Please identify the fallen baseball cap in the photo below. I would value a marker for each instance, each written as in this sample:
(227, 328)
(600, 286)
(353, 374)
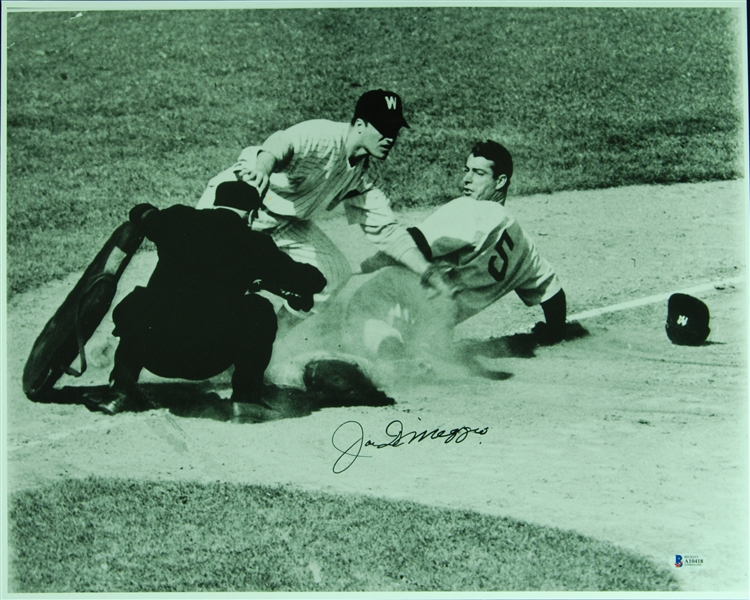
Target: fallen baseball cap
(687, 320)
(383, 109)
(237, 194)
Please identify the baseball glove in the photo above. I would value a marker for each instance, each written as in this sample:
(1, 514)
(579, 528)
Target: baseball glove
(544, 335)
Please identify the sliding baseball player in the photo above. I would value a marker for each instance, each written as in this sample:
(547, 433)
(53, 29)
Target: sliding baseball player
(477, 251)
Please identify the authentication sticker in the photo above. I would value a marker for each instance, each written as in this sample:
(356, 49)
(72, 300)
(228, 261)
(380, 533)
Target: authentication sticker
(687, 560)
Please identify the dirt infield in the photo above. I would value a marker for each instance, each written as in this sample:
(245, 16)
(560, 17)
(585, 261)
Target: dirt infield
(619, 435)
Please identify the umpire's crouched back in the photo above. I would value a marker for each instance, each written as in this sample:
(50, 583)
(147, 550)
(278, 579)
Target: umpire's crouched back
(197, 315)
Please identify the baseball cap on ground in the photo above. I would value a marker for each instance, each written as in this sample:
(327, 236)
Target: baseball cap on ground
(237, 194)
(383, 109)
(687, 320)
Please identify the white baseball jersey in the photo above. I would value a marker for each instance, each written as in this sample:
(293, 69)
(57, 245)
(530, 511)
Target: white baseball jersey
(315, 175)
(487, 255)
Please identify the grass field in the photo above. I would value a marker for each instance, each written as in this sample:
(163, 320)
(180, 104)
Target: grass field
(84, 536)
(109, 109)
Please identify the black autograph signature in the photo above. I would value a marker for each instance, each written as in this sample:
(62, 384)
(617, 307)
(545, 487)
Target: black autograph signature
(349, 437)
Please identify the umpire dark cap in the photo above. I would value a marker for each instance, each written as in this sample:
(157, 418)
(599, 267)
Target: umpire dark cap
(383, 109)
(687, 320)
(238, 194)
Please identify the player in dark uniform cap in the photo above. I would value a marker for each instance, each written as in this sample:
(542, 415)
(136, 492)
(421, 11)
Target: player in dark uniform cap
(198, 314)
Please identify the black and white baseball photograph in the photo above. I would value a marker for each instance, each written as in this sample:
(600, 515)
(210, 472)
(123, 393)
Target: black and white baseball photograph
(375, 299)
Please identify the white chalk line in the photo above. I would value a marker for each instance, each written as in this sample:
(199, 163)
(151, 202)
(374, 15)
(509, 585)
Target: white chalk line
(587, 314)
(696, 289)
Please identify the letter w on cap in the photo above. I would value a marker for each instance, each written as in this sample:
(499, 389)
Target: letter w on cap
(391, 102)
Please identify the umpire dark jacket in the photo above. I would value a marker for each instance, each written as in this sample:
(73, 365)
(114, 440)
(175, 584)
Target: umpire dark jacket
(208, 261)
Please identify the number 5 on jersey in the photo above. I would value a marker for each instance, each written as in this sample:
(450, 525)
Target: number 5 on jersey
(507, 241)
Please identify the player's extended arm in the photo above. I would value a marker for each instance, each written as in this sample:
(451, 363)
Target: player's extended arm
(415, 261)
(420, 261)
(555, 315)
(555, 311)
(372, 211)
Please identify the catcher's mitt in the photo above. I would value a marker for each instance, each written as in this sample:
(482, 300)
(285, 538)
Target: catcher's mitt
(66, 333)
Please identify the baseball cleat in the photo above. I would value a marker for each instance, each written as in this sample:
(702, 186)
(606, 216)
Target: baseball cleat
(121, 397)
(117, 401)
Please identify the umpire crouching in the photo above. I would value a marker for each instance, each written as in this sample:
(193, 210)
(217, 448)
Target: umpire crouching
(197, 316)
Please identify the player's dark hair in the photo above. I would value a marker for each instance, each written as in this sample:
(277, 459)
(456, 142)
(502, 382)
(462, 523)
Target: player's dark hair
(502, 162)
